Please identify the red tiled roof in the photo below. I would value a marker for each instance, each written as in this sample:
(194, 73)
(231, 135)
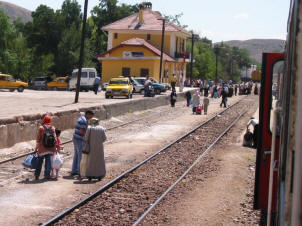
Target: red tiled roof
(140, 42)
(151, 22)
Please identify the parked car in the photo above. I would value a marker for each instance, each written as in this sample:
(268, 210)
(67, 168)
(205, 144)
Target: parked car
(137, 87)
(120, 86)
(167, 85)
(88, 76)
(158, 88)
(57, 84)
(40, 82)
(8, 82)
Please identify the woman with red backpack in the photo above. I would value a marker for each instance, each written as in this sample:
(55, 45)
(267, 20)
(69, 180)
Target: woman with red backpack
(45, 146)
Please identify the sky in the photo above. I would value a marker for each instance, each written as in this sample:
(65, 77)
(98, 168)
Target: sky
(218, 20)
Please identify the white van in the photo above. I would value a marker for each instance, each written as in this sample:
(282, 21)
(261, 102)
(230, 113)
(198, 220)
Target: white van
(87, 79)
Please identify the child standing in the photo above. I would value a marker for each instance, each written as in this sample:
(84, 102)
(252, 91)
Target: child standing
(58, 148)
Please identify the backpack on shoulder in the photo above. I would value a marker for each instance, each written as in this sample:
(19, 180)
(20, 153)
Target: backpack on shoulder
(49, 140)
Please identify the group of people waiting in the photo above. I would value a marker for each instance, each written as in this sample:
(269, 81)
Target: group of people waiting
(48, 144)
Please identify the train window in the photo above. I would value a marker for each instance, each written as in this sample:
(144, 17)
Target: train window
(275, 93)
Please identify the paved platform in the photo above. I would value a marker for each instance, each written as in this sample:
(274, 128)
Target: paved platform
(35, 102)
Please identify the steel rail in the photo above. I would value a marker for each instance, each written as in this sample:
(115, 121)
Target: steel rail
(124, 174)
(69, 141)
(186, 172)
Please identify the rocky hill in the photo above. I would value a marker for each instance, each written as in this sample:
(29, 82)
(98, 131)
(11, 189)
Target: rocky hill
(14, 11)
(257, 46)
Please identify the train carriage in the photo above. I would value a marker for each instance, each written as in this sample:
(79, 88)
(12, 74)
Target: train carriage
(278, 180)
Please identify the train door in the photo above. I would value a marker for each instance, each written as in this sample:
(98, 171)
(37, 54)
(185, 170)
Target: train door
(272, 69)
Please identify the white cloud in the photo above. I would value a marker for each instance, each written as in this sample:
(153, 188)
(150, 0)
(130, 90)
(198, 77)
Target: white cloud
(241, 16)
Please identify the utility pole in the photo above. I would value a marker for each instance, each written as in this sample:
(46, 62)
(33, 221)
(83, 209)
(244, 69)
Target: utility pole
(81, 53)
(162, 48)
(216, 54)
(191, 66)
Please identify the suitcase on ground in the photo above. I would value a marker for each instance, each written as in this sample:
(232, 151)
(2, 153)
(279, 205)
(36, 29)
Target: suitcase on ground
(199, 109)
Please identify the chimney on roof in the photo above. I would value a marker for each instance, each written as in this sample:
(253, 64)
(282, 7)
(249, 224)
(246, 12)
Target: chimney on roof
(142, 6)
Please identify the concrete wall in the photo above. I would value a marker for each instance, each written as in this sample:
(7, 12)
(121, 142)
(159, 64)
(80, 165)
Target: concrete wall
(24, 128)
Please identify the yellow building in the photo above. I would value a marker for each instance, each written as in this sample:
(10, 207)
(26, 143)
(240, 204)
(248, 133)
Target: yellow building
(134, 47)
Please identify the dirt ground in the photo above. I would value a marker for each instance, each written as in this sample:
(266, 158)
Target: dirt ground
(27, 202)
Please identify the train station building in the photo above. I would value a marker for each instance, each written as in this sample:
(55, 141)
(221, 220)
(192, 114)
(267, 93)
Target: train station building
(134, 44)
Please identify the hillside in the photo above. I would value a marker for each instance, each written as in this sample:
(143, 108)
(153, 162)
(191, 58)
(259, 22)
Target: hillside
(257, 46)
(14, 11)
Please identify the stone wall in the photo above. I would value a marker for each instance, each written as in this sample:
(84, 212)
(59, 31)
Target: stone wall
(24, 128)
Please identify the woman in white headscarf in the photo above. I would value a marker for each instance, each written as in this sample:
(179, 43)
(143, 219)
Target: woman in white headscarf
(95, 136)
(195, 101)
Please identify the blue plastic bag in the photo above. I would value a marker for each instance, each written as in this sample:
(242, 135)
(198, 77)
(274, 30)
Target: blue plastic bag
(31, 161)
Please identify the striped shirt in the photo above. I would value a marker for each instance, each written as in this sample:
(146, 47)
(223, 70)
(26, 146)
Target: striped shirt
(81, 124)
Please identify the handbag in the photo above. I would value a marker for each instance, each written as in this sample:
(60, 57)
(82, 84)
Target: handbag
(31, 161)
(35, 162)
(86, 145)
(27, 161)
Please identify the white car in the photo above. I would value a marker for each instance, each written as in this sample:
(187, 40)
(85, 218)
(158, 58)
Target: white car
(88, 76)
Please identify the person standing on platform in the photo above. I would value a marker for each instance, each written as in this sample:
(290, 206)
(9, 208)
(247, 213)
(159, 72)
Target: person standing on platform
(256, 89)
(188, 97)
(173, 97)
(223, 98)
(206, 90)
(206, 103)
(173, 82)
(95, 165)
(96, 85)
(45, 146)
(78, 140)
(195, 101)
(147, 85)
(236, 89)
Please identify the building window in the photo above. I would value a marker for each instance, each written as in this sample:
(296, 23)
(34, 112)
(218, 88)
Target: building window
(144, 72)
(115, 35)
(148, 37)
(125, 71)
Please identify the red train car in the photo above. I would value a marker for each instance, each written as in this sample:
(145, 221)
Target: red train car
(278, 181)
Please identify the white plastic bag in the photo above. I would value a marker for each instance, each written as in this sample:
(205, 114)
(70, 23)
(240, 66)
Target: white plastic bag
(57, 161)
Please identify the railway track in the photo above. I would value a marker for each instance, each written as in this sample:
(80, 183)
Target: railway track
(128, 198)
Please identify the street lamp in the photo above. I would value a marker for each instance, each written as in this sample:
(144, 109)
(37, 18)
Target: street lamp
(162, 47)
(192, 53)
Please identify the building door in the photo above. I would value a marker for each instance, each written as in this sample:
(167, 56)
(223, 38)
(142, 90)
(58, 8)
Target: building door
(126, 71)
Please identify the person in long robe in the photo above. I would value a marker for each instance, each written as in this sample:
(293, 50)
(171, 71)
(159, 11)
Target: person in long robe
(95, 165)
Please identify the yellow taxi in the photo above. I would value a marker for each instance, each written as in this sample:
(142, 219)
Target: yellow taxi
(120, 86)
(58, 83)
(8, 82)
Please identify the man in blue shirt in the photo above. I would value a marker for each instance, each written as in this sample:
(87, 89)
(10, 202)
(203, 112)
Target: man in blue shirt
(96, 85)
(78, 140)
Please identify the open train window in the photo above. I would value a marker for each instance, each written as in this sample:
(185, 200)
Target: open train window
(277, 75)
